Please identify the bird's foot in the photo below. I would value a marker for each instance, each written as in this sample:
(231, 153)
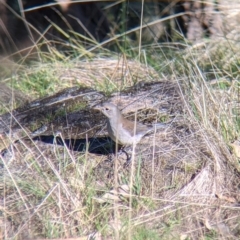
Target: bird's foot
(128, 160)
(112, 156)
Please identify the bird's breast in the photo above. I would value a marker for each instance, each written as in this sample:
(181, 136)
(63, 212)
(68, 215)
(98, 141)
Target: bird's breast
(121, 135)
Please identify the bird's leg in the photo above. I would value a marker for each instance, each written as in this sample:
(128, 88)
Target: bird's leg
(111, 156)
(129, 157)
(128, 161)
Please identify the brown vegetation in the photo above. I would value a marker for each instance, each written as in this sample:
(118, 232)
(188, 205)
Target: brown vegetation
(183, 175)
(183, 181)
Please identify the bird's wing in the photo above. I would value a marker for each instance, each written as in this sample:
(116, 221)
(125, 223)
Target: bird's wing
(130, 126)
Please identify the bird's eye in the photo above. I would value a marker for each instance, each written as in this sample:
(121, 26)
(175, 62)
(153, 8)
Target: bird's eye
(106, 109)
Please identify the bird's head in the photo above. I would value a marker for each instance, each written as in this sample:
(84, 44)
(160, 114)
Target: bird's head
(109, 110)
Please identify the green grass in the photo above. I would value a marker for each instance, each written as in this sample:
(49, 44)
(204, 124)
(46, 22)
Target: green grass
(145, 233)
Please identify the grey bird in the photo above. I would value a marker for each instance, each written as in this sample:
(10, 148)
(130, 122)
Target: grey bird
(121, 130)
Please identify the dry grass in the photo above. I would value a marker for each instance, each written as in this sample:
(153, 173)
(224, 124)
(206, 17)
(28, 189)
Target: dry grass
(184, 180)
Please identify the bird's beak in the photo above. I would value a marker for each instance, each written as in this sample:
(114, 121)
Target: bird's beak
(98, 107)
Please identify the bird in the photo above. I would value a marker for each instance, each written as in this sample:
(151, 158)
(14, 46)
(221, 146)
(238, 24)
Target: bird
(121, 130)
